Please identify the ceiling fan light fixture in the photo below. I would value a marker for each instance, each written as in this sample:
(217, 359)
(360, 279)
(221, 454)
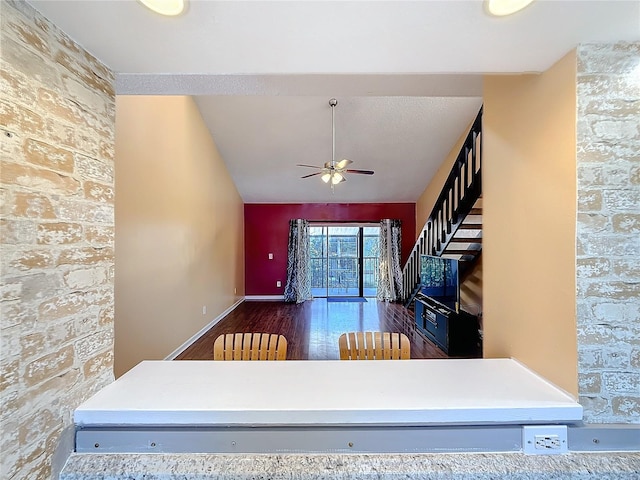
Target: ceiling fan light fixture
(326, 177)
(336, 178)
(501, 8)
(169, 8)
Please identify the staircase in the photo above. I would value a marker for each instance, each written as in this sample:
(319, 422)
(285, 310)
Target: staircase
(466, 243)
(454, 227)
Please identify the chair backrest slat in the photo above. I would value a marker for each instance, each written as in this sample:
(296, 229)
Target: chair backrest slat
(405, 348)
(250, 346)
(374, 346)
(228, 346)
(237, 347)
(246, 346)
(255, 346)
(264, 346)
(369, 343)
(378, 347)
(271, 352)
(352, 342)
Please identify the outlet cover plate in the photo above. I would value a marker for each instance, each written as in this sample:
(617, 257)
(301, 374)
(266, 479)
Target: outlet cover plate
(544, 439)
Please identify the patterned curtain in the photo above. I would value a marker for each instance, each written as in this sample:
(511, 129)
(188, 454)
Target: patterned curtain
(298, 287)
(390, 274)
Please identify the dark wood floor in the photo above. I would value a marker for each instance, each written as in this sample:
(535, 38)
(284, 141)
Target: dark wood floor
(312, 328)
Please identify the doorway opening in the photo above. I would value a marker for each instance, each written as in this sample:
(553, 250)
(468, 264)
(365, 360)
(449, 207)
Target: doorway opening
(344, 259)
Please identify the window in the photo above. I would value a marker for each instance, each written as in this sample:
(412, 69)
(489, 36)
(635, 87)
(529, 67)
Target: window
(344, 260)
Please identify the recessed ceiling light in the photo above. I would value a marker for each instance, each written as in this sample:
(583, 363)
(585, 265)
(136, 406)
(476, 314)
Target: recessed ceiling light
(165, 7)
(500, 8)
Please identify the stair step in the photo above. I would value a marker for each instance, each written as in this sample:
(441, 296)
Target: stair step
(466, 240)
(476, 211)
(471, 226)
(460, 252)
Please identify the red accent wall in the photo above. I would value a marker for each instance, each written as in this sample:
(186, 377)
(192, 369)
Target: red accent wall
(266, 230)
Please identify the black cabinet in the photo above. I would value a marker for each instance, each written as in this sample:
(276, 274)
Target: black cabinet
(456, 333)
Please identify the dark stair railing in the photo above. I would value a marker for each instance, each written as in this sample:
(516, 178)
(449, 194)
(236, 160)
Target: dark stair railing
(459, 194)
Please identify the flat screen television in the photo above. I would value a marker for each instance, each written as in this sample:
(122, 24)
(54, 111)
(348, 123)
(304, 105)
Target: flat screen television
(439, 280)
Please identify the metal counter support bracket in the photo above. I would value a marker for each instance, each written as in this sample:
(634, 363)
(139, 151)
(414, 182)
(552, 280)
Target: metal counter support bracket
(406, 439)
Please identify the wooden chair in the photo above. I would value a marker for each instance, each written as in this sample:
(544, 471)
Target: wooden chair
(374, 346)
(250, 346)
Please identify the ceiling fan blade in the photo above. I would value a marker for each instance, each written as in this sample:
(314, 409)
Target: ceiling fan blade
(362, 172)
(311, 175)
(310, 166)
(343, 163)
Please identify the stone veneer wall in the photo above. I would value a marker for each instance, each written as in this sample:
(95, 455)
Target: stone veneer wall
(57, 121)
(608, 231)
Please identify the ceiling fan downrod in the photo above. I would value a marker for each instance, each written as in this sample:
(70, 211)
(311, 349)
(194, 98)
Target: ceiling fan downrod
(332, 103)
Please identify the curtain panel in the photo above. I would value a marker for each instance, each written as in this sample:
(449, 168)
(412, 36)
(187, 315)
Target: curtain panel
(298, 287)
(390, 283)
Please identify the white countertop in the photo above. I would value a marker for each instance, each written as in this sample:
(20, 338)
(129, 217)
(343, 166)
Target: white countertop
(330, 392)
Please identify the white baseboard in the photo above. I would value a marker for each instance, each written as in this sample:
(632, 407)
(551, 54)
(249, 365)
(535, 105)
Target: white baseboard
(264, 297)
(203, 330)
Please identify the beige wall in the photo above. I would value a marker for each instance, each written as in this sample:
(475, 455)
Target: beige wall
(529, 193)
(57, 112)
(179, 228)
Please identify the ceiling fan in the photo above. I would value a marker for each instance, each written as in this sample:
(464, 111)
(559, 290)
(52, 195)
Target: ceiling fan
(334, 172)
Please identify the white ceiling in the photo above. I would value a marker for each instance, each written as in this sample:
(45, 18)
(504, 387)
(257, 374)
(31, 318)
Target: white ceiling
(407, 76)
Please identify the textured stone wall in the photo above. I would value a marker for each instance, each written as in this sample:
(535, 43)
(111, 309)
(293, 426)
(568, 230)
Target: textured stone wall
(57, 126)
(608, 231)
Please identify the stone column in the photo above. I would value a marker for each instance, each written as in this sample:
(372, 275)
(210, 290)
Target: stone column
(57, 126)
(608, 231)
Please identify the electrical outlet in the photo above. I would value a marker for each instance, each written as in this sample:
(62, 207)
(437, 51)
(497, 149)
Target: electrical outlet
(271, 256)
(544, 439)
(204, 309)
(546, 442)
(278, 283)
